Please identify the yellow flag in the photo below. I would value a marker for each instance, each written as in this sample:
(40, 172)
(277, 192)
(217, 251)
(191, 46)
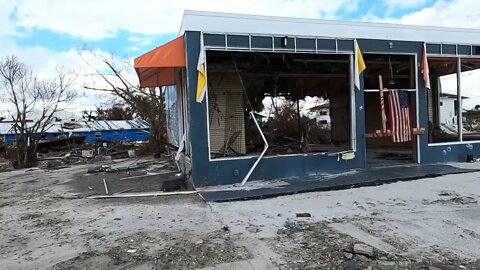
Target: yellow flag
(201, 77)
(359, 65)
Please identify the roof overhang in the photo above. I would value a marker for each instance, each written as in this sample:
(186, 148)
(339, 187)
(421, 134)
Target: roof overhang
(229, 23)
(157, 67)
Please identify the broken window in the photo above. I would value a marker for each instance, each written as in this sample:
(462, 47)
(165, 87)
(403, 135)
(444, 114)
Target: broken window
(454, 102)
(302, 103)
(469, 82)
(442, 100)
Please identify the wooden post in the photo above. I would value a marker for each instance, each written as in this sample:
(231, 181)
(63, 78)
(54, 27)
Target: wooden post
(382, 105)
(384, 132)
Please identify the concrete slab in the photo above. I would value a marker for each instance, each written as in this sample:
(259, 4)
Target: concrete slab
(367, 177)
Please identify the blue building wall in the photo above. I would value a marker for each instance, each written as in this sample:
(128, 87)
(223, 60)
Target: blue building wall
(9, 138)
(119, 135)
(215, 172)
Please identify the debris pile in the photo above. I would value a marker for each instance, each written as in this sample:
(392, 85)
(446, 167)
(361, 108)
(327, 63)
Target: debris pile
(130, 178)
(318, 246)
(145, 251)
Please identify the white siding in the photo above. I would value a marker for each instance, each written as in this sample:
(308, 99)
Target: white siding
(447, 111)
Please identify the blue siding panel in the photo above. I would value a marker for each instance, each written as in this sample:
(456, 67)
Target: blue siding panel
(106, 135)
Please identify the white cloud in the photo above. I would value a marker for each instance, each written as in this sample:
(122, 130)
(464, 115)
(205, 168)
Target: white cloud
(141, 41)
(91, 19)
(404, 3)
(395, 5)
(457, 13)
(6, 25)
(141, 19)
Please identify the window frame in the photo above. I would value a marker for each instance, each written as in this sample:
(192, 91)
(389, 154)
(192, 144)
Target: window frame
(353, 128)
(417, 151)
(458, 58)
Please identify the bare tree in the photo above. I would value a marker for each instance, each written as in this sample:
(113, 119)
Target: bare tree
(31, 97)
(113, 111)
(145, 103)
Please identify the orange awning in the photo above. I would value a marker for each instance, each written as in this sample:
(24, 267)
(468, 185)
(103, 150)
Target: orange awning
(157, 67)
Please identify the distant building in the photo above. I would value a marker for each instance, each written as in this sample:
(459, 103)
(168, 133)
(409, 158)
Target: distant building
(322, 114)
(448, 109)
(105, 130)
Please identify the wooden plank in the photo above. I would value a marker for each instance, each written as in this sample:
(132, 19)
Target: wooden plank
(379, 133)
(418, 131)
(143, 194)
(382, 104)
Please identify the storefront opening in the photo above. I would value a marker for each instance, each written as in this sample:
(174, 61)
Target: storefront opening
(301, 101)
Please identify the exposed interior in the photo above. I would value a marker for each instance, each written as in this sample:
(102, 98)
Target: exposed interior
(469, 89)
(442, 100)
(445, 109)
(397, 73)
(302, 102)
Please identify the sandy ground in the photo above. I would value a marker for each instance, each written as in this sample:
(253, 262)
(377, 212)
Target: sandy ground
(424, 224)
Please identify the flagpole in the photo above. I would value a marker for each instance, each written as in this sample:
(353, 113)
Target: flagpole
(382, 105)
(355, 66)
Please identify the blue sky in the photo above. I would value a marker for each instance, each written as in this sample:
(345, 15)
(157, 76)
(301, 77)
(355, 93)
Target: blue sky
(46, 34)
(132, 42)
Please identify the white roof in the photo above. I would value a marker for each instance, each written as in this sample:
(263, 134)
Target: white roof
(7, 127)
(215, 22)
(85, 126)
(100, 125)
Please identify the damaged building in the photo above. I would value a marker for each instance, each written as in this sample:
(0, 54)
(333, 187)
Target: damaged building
(89, 131)
(260, 98)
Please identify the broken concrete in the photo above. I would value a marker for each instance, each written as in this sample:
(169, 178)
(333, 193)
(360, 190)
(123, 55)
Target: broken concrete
(362, 249)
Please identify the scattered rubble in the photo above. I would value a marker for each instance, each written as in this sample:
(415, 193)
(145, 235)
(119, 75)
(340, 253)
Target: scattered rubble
(318, 246)
(144, 251)
(362, 249)
(48, 224)
(452, 198)
(303, 215)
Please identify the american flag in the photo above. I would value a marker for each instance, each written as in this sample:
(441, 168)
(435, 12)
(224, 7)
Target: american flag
(400, 116)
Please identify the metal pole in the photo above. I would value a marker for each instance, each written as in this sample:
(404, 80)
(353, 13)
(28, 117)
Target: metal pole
(300, 132)
(459, 101)
(265, 147)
